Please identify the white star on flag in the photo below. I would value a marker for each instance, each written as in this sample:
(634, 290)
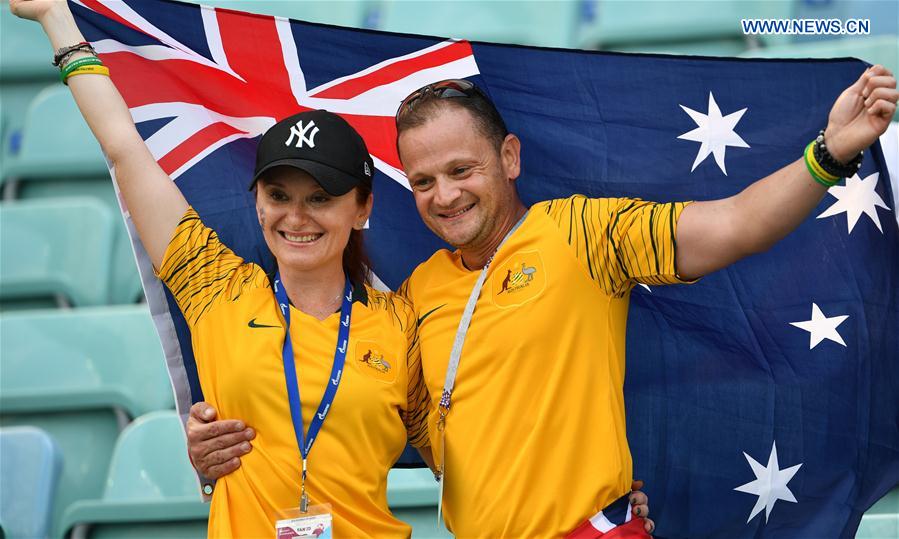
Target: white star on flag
(821, 327)
(714, 132)
(770, 483)
(855, 198)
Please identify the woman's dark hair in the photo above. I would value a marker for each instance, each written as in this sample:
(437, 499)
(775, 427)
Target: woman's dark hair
(356, 263)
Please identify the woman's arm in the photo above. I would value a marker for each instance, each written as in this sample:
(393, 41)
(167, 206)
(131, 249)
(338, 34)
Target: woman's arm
(155, 202)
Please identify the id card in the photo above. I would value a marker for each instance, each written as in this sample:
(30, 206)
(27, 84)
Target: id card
(313, 524)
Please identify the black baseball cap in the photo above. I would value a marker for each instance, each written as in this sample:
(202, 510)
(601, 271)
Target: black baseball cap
(320, 143)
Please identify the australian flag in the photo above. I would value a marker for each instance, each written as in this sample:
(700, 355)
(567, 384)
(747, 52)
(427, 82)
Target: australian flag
(761, 402)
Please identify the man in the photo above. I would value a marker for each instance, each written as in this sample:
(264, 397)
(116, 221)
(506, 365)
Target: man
(529, 429)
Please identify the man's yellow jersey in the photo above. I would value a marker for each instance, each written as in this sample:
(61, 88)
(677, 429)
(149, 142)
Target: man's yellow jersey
(238, 334)
(535, 438)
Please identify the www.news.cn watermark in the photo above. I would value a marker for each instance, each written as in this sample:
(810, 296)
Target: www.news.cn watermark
(806, 27)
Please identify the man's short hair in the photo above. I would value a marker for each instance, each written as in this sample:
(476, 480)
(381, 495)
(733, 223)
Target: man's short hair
(487, 118)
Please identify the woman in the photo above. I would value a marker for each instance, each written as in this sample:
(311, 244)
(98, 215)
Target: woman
(348, 362)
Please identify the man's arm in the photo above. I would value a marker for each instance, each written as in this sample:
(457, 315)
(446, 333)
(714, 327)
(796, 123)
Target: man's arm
(714, 234)
(215, 447)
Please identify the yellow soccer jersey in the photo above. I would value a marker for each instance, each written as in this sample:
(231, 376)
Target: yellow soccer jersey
(535, 439)
(237, 336)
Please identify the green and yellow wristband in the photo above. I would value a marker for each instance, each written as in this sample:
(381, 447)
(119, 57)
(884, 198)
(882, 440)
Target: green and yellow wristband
(816, 170)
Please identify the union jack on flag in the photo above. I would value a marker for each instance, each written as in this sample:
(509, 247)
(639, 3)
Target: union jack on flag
(762, 401)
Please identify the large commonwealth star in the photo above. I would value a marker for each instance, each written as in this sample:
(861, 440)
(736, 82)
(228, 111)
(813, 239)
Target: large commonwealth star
(715, 133)
(770, 483)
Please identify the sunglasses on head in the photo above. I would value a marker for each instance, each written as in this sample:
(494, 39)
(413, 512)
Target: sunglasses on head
(445, 89)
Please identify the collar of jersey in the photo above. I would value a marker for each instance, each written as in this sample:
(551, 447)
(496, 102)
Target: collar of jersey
(360, 294)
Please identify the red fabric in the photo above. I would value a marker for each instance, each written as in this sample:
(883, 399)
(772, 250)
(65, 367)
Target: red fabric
(631, 530)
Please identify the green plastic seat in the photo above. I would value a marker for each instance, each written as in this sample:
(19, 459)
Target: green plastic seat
(74, 359)
(14, 100)
(55, 248)
(884, 526)
(550, 23)
(80, 375)
(872, 49)
(25, 52)
(881, 521)
(151, 489)
(888, 505)
(344, 13)
(672, 26)
(56, 141)
(882, 50)
(412, 495)
(124, 280)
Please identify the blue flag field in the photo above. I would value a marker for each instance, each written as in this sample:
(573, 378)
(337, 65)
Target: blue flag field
(762, 401)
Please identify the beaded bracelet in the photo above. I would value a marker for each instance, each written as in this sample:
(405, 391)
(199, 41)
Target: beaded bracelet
(64, 53)
(831, 165)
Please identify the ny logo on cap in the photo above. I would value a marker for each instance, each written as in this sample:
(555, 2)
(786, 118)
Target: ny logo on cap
(303, 134)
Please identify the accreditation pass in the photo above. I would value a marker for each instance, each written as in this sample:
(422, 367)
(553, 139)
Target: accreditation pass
(315, 523)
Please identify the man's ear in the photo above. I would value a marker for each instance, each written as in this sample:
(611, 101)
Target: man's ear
(510, 154)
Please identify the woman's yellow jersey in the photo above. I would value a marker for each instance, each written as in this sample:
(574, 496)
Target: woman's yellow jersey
(237, 334)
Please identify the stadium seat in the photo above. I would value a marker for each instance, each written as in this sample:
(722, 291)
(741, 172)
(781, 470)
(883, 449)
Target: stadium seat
(55, 249)
(548, 24)
(55, 141)
(671, 26)
(872, 49)
(30, 465)
(14, 100)
(70, 359)
(25, 51)
(412, 495)
(350, 13)
(882, 49)
(81, 375)
(124, 282)
(151, 490)
(54, 161)
(881, 526)
(882, 520)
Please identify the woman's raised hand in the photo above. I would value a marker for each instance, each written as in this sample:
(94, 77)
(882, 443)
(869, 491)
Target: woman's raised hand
(36, 10)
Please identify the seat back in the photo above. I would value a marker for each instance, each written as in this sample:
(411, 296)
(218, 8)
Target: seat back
(345, 13)
(95, 357)
(56, 141)
(25, 52)
(30, 464)
(124, 279)
(56, 248)
(547, 23)
(673, 26)
(150, 462)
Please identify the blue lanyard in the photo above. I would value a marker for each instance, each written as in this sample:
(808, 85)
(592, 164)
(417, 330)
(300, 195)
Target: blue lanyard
(304, 442)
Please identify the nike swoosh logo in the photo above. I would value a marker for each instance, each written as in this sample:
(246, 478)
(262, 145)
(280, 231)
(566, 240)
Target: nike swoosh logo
(429, 313)
(252, 323)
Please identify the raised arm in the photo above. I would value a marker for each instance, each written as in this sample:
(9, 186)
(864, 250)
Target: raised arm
(155, 202)
(714, 234)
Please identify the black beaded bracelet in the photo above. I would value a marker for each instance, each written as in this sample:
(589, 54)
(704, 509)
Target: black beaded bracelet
(64, 53)
(831, 165)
